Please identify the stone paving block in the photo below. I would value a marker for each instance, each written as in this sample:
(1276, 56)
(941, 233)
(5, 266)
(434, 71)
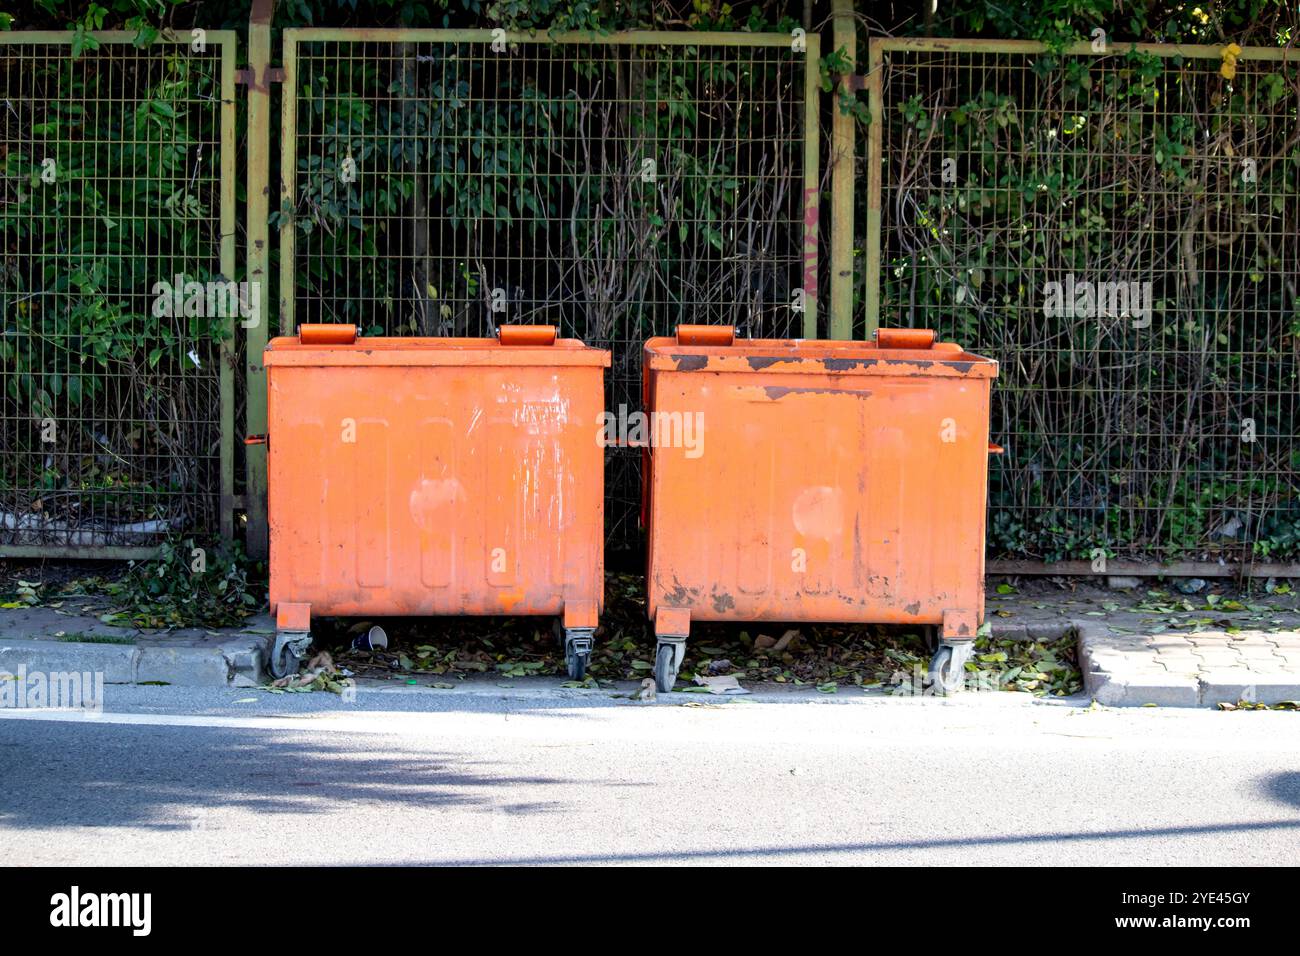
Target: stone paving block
(1260, 652)
(1181, 668)
(1161, 643)
(1180, 660)
(1291, 658)
(1214, 657)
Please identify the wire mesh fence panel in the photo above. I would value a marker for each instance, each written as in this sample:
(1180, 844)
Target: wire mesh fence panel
(117, 235)
(449, 182)
(1121, 230)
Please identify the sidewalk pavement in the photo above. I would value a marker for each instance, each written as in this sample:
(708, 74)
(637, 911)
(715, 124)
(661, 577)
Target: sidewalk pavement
(1154, 645)
(1146, 645)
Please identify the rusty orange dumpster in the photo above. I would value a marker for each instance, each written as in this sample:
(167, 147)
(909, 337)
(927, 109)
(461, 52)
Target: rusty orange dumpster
(816, 481)
(419, 476)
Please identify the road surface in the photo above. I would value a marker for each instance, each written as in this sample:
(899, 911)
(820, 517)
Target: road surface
(534, 774)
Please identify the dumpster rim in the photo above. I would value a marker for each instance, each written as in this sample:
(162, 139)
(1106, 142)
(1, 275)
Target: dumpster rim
(288, 351)
(815, 357)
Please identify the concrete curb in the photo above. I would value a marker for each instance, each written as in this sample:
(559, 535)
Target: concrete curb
(238, 662)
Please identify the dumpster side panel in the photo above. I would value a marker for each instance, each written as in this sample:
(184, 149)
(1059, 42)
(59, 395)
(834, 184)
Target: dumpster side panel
(406, 490)
(820, 497)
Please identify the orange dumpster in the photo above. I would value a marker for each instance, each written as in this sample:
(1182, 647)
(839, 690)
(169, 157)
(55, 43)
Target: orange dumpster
(816, 481)
(419, 476)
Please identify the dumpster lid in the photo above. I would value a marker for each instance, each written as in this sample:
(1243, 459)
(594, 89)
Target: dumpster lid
(533, 349)
(892, 354)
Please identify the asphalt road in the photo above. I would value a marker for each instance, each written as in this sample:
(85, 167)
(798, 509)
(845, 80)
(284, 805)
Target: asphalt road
(535, 774)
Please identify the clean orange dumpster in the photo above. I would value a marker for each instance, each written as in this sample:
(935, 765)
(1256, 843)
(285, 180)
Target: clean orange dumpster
(420, 476)
(816, 481)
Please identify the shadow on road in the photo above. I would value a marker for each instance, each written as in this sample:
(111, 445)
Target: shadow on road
(1284, 787)
(793, 853)
(155, 778)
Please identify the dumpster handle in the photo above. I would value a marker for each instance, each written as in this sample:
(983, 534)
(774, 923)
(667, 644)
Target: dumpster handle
(309, 334)
(996, 449)
(526, 334)
(905, 338)
(257, 440)
(706, 334)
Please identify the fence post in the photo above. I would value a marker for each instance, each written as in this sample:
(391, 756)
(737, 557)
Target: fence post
(259, 187)
(842, 147)
(811, 183)
(875, 61)
(229, 261)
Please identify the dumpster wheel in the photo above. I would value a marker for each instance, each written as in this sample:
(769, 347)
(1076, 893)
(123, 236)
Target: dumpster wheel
(948, 666)
(669, 655)
(577, 651)
(288, 651)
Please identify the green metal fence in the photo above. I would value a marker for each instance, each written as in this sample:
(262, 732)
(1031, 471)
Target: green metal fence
(1120, 227)
(447, 182)
(117, 209)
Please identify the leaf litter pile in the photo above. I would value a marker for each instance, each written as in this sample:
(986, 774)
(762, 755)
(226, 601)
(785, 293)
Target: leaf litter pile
(827, 657)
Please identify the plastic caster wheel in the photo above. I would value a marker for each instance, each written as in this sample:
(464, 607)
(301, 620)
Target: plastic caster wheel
(577, 652)
(577, 664)
(287, 654)
(665, 668)
(948, 667)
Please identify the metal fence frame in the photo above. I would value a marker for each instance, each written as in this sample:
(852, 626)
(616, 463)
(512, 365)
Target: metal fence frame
(261, 75)
(873, 289)
(225, 40)
(807, 109)
(292, 37)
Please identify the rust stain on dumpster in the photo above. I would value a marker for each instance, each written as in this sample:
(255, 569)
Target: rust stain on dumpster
(760, 362)
(775, 392)
(691, 363)
(824, 508)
